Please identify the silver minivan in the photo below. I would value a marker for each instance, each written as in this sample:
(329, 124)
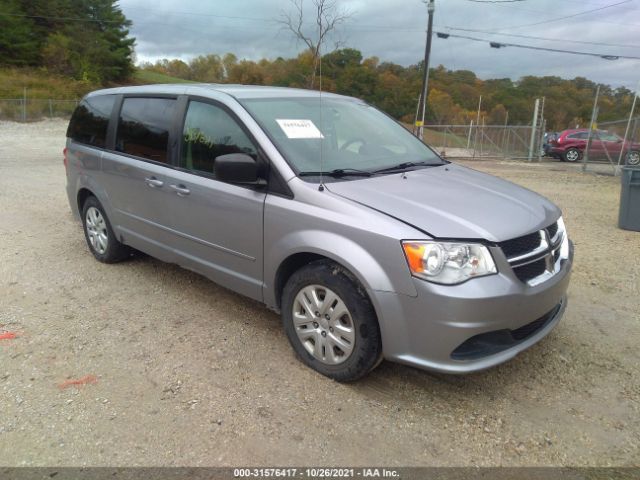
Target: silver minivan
(327, 210)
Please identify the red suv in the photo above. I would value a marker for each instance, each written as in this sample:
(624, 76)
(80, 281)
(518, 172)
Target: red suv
(569, 146)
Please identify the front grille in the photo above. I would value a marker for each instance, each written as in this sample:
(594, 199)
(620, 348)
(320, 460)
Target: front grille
(527, 254)
(490, 343)
(531, 270)
(522, 245)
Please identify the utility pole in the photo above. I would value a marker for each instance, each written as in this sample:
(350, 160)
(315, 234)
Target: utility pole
(422, 106)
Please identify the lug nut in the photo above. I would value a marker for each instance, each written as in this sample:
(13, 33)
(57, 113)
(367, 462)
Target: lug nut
(317, 314)
(315, 324)
(324, 334)
(327, 316)
(331, 329)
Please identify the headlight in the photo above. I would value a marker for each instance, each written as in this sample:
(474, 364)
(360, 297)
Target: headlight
(448, 263)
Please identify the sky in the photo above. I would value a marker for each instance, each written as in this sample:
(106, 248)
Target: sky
(395, 31)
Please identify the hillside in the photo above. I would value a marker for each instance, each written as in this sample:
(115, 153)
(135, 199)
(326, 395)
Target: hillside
(43, 85)
(144, 77)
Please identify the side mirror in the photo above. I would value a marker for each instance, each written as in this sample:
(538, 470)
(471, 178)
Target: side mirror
(236, 168)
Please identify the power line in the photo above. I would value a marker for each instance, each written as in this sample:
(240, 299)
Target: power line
(495, 1)
(558, 19)
(489, 32)
(531, 47)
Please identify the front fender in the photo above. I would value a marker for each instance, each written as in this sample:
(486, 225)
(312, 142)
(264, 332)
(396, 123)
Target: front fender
(342, 250)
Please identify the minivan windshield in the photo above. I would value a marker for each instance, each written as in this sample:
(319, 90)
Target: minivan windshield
(349, 136)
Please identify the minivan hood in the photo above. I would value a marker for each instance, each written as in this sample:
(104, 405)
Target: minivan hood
(453, 202)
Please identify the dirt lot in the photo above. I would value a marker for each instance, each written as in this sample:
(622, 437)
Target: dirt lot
(191, 374)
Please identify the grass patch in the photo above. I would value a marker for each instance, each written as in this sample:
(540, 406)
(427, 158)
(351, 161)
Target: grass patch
(142, 77)
(41, 84)
(440, 138)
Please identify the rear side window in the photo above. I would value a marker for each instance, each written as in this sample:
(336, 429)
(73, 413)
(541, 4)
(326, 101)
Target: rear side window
(90, 120)
(143, 127)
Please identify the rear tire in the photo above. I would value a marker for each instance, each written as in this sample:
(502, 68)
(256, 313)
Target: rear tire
(572, 155)
(330, 322)
(99, 235)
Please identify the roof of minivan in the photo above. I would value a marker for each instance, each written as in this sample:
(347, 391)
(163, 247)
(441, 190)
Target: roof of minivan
(237, 91)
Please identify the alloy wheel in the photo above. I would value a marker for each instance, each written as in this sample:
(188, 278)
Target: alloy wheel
(96, 230)
(572, 155)
(323, 324)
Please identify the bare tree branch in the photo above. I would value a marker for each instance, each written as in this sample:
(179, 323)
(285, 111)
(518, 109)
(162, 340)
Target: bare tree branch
(328, 17)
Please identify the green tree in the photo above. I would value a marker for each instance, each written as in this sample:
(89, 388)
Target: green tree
(87, 39)
(18, 44)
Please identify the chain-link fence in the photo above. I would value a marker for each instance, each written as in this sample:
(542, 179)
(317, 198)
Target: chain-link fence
(608, 142)
(486, 141)
(31, 110)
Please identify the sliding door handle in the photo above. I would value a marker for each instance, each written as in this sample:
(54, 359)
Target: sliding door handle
(153, 182)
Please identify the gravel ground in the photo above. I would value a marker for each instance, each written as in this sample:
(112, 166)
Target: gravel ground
(188, 373)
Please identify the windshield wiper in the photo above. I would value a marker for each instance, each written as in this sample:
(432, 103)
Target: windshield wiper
(406, 165)
(338, 173)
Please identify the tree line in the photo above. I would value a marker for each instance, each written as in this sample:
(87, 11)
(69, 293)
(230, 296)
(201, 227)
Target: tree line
(89, 41)
(83, 39)
(453, 94)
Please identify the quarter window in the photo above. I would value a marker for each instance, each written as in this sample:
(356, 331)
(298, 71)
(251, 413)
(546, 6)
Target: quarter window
(90, 120)
(143, 127)
(209, 131)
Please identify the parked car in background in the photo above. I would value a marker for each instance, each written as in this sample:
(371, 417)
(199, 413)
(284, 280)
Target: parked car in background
(570, 145)
(548, 136)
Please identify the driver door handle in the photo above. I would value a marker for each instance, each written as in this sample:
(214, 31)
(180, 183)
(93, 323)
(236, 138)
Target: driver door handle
(181, 190)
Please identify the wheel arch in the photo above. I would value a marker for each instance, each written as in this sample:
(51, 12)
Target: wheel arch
(82, 196)
(346, 253)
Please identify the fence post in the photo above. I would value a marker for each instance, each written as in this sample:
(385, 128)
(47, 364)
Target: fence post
(482, 137)
(594, 117)
(504, 134)
(475, 137)
(50, 109)
(534, 128)
(507, 142)
(24, 105)
(543, 128)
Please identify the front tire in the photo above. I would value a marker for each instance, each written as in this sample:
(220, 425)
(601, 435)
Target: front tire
(633, 158)
(572, 155)
(99, 235)
(330, 322)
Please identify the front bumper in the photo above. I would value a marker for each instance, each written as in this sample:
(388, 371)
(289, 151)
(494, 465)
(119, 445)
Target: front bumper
(424, 331)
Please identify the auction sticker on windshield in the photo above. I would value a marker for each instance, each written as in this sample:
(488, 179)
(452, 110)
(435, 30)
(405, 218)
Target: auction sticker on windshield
(299, 128)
